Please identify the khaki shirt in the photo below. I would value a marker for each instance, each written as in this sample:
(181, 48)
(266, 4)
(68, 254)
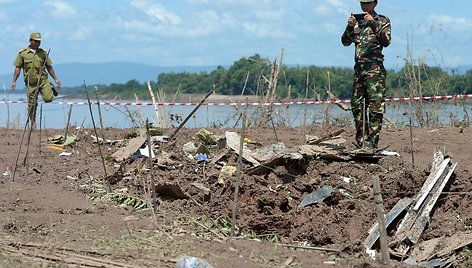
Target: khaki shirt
(32, 63)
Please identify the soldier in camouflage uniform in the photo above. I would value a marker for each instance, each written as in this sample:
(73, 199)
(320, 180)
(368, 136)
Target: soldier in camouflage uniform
(370, 33)
(35, 61)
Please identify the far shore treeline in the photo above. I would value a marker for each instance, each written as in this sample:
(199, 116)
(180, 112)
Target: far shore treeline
(251, 75)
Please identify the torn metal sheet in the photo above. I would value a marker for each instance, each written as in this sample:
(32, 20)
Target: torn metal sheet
(417, 218)
(233, 141)
(323, 151)
(132, 146)
(424, 217)
(317, 196)
(145, 151)
(411, 216)
(270, 152)
(430, 184)
(267, 167)
(374, 232)
(272, 156)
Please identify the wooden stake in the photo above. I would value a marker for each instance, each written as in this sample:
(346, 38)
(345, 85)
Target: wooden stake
(40, 125)
(411, 144)
(273, 126)
(381, 220)
(99, 115)
(151, 170)
(153, 97)
(191, 113)
(326, 137)
(68, 123)
(19, 148)
(307, 85)
(238, 171)
(96, 135)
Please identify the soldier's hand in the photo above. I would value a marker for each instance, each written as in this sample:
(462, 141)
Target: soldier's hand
(58, 83)
(351, 21)
(13, 86)
(369, 18)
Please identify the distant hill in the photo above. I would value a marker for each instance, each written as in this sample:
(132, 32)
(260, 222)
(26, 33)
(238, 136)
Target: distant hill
(74, 74)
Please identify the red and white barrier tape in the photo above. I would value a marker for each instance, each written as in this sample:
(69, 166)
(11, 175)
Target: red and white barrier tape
(448, 97)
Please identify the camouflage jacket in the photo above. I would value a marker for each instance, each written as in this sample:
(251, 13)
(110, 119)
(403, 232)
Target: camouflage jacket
(33, 63)
(369, 39)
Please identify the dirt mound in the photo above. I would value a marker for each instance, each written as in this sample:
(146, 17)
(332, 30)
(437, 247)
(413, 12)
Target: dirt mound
(59, 200)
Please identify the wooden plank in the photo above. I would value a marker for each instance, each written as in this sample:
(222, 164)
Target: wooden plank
(381, 220)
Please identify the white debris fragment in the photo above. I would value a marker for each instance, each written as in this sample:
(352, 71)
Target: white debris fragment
(346, 179)
(389, 153)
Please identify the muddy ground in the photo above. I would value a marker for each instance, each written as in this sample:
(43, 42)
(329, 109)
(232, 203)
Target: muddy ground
(56, 211)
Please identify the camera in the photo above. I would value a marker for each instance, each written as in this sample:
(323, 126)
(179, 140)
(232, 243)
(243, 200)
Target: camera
(359, 16)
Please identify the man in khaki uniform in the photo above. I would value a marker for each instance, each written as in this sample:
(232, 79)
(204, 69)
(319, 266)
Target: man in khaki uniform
(35, 61)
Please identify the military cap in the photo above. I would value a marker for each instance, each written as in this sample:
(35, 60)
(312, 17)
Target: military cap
(35, 36)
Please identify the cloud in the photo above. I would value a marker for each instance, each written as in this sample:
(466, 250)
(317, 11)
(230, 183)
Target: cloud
(339, 6)
(245, 5)
(156, 11)
(456, 24)
(147, 31)
(60, 9)
(322, 10)
(270, 15)
(196, 22)
(265, 31)
(82, 33)
(333, 28)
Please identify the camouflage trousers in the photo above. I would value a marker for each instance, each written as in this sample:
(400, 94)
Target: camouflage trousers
(368, 102)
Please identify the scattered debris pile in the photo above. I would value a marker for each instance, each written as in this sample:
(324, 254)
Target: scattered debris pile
(413, 216)
(314, 194)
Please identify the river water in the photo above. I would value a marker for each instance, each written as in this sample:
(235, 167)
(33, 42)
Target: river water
(56, 114)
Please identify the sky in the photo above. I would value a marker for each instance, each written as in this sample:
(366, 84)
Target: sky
(220, 32)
